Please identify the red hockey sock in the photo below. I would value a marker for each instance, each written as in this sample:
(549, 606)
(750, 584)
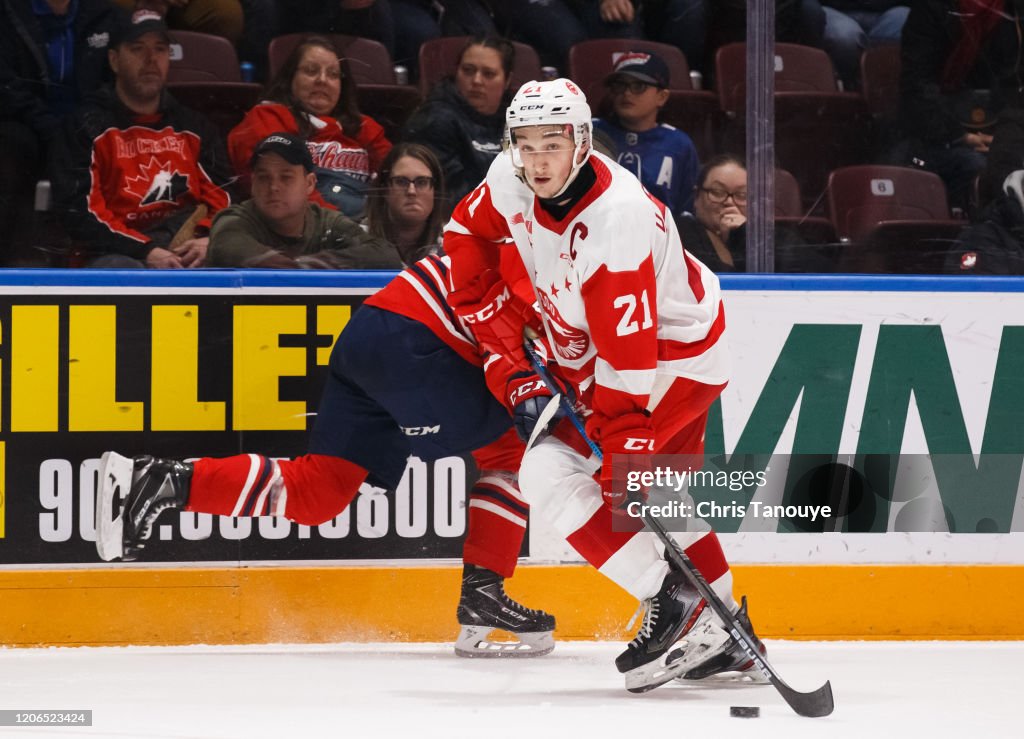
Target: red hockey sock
(706, 553)
(310, 489)
(496, 524)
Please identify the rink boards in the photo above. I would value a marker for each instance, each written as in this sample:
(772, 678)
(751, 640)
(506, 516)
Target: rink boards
(913, 386)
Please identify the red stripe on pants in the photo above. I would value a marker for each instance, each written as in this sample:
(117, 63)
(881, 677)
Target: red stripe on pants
(319, 486)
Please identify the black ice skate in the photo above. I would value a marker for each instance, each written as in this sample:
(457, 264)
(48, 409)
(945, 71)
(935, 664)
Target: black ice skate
(485, 607)
(144, 487)
(731, 662)
(677, 616)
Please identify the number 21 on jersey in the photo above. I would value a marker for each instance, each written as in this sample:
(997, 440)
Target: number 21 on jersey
(629, 322)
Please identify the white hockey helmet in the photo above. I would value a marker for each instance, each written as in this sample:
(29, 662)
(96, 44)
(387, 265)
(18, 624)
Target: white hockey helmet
(552, 103)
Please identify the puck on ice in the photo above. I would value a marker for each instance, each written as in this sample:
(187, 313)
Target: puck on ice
(744, 711)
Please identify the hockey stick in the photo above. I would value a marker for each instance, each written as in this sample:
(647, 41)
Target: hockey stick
(814, 704)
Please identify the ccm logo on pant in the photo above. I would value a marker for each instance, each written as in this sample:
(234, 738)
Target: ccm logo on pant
(420, 430)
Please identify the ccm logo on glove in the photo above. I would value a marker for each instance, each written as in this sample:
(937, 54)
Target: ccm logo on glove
(490, 310)
(525, 390)
(638, 445)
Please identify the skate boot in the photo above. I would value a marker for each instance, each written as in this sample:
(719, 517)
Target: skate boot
(731, 662)
(677, 616)
(485, 607)
(144, 487)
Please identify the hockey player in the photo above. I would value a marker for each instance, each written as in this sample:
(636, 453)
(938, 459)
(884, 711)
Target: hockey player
(634, 322)
(403, 362)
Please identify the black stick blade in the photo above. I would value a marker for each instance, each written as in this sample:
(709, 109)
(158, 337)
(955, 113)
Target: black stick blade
(813, 705)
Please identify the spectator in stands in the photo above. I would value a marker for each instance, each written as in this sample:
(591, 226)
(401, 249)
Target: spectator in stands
(463, 119)
(51, 54)
(406, 208)
(278, 227)
(401, 25)
(218, 17)
(663, 158)
(313, 95)
(552, 27)
(133, 165)
(994, 246)
(716, 233)
(853, 25)
(962, 62)
(248, 24)
(699, 27)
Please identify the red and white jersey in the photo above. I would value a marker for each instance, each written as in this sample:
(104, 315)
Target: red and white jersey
(625, 308)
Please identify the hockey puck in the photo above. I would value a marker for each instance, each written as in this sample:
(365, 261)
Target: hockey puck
(744, 711)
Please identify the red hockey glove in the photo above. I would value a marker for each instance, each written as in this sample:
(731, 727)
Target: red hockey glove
(627, 443)
(496, 315)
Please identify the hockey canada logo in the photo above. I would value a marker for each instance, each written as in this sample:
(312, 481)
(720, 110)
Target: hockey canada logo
(569, 342)
(157, 183)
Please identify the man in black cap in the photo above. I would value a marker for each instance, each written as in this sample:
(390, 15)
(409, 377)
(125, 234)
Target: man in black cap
(133, 166)
(278, 227)
(662, 157)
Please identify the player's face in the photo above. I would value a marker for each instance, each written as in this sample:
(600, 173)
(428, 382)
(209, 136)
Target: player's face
(141, 67)
(636, 103)
(481, 79)
(317, 81)
(280, 189)
(547, 153)
(410, 193)
(722, 195)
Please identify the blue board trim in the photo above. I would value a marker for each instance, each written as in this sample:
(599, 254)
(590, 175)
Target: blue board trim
(372, 279)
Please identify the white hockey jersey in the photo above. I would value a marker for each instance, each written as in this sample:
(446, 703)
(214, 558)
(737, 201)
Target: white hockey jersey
(625, 308)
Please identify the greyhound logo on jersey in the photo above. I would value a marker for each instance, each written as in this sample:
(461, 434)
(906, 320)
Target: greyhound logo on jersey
(157, 183)
(569, 342)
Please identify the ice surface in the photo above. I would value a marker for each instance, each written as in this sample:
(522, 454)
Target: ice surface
(924, 690)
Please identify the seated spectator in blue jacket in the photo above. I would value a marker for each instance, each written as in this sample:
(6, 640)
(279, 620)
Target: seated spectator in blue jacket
(663, 158)
(52, 52)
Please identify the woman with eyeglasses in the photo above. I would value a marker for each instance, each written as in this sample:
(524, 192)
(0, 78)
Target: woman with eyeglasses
(716, 232)
(313, 95)
(406, 205)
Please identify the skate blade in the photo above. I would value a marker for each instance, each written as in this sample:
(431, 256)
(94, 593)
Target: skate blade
(752, 676)
(702, 643)
(115, 482)
(473, 642)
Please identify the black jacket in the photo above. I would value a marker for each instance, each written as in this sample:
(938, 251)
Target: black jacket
(792, 254)
(465, 141)
(994, 246)
(24, 76)
(936, 116)
(140, 197)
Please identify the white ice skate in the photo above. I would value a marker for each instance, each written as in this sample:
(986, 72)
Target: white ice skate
(144, 488)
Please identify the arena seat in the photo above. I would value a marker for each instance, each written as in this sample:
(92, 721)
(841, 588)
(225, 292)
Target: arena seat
(202, 57)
